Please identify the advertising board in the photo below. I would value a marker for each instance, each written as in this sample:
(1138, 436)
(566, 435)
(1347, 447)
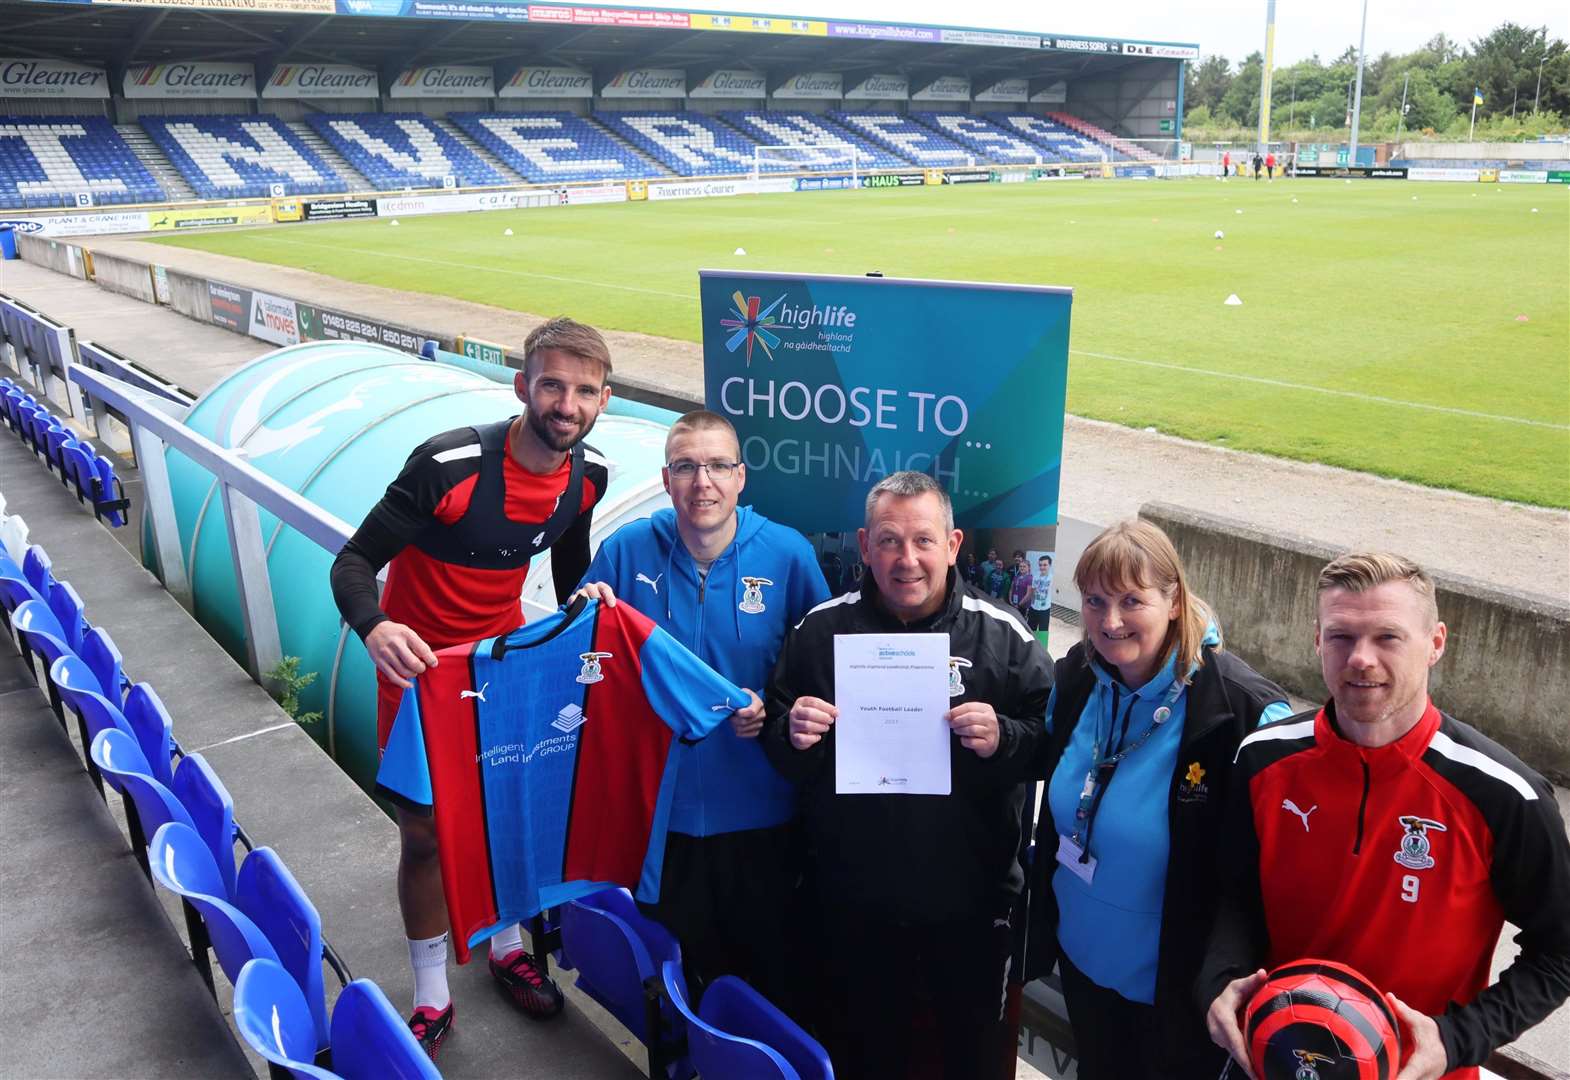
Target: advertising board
(29, 78)
(1005, 90)
(880, 88)
(337, 209)
(1425, 172)
(231, 306)
(944, 88)
(213, 217)
(811, 85)
(888, 180)
(321, 81)
(647, 83)
(325, 324)
(970, 176)
(273, 318)
(1522, 176)
(532, 81)
(444, 80)
(731, 83)
(190, 80)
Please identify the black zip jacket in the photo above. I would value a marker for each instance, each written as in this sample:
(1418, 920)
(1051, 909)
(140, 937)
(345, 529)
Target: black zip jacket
(919, 859)
(1225, 700)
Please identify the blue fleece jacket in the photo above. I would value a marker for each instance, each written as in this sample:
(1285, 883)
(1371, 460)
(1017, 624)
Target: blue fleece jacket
(1111, 927)
(724, 783)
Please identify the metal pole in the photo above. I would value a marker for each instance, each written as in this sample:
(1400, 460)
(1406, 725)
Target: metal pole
(1401, 120)
(1357, 101)
(1292, 110)
(1539, 98)
(1265, 75)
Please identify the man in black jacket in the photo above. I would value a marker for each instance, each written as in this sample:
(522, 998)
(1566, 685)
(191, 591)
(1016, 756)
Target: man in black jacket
(915, 890)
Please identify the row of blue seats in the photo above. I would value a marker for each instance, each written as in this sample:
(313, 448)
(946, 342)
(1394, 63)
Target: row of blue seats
(46, 161)
(226, 157)
(183, 831)
(80, 466)
(631, 966)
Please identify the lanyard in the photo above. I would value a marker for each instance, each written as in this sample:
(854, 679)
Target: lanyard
(1099, 777)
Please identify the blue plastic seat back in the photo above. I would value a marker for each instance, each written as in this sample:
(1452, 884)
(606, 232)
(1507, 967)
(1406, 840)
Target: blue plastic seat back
(611, 961)
(56, 439)
(79, 468)
(181, 863)
(715, 1052)
(15, 589)
(124, 768)
(108, 490)
(70, 611)
(660, 942)
(212, 812)
(79, 689)
(100, 654)
(268, 893)
(154, 729)
(733, 1006)
(272, 1017)
(371, 1041)
(41, 631)
(38, 569)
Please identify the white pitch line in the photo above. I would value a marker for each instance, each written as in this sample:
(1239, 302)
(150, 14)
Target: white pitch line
(1375, 398)
(471, 267)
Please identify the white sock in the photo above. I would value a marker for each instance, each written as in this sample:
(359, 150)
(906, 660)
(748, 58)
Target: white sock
(428, 958)
(506, 941)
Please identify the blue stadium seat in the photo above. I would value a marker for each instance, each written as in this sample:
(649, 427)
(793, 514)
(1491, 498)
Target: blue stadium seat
(275, 1021)
(149, 804)
(616, 952)
(769, 128)
(150, 722)
(687, 143)
(552, 147)
(274, 901)
(40, 633)
(71, 612)
(80, 691)
(47, 161)
(14, 587)
(226, 157)
(212, 813)
(371, 1041)
(102, 656)
(904, 137)
(399, 150)
(737, 1032)
(39, 569)
(182, 864)
(1052, 137)
(981, 138)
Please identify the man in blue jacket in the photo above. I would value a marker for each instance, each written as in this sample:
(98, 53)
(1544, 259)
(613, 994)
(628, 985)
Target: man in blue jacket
(728, 583)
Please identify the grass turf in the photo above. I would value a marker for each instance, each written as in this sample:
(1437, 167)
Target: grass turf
(1380, 328)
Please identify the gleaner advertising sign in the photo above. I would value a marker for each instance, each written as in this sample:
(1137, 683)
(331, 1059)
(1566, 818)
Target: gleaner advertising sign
(811, 84)
(21, 78)
(190, 81)
(647, 83)
(548, 82)
(944, 88)
(446, 80)
(880, 88)
(321, 81)
(732, 84)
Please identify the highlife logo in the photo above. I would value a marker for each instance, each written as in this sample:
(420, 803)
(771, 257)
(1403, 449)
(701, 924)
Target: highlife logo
(752, 324)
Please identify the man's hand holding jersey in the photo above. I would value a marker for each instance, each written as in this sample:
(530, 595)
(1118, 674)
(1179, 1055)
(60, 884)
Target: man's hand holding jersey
(747, 721)
(398, 652)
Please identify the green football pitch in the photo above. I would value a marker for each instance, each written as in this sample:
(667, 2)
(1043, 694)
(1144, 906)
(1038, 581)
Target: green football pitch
(1417, 331)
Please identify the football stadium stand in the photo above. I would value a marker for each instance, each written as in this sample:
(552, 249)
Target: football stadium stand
(985, 140)
(687, 143)
(48, 162)
(903, 136)
(399, 150)
(1123, 147)
(241, 156)
(553, 146)
(1057, 142)
(771, 128)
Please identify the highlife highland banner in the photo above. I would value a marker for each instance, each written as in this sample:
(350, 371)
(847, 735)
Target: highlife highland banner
(835, 382)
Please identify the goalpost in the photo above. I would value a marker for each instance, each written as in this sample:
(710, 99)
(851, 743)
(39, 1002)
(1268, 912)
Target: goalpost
(806, 157)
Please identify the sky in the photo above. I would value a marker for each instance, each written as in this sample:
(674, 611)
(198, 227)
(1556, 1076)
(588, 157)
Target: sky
(1228, 27)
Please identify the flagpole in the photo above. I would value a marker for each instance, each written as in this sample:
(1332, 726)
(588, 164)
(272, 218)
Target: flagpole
(1473, 130)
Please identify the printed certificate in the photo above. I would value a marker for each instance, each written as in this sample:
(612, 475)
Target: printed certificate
(892, 691)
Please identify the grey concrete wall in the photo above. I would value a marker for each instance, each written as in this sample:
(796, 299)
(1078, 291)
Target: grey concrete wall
(125, 276)
(55, 254)
(189, 296)
(1506, 669)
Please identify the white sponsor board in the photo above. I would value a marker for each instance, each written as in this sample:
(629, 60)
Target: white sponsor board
(321, 81)
(548, 82)
(944, 88)
(1173, 52)
(190, 81)
(445, 80)
(1006, 90)
(812, 85)
(710, 189)
(275, 319)
(1522, 176)
(1055, 94)
(990, 37)
(125, 221)
(1085, 45)
(880, 88)
(647, 83)
(596, 193)
(419, 205)
(21, 78)
(730, 83)
(1425, 173)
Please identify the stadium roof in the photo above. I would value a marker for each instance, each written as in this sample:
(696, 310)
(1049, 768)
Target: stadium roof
(392, 35)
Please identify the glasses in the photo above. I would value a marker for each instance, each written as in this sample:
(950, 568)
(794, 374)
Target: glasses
(718, 470)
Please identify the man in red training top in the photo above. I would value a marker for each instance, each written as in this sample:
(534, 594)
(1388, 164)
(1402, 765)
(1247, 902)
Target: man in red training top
(1383, 834)
(457, 530)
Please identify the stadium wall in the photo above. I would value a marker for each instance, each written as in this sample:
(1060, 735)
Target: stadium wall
(1531, 151)
(1506, 669)
(1109, 103)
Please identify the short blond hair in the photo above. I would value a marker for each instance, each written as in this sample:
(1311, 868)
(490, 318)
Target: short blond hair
(569, 336)
(1137, 554)
(1364, 570)
(701, 420)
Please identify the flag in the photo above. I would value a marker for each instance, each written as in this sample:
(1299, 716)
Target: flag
(1477, 96)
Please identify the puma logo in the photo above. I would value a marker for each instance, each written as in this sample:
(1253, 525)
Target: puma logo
(480, 693)
(653, 583)
(1289, 805)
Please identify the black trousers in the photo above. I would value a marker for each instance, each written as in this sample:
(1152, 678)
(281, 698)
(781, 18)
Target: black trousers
(1119, 1039)
(725, 898)
(899, 997)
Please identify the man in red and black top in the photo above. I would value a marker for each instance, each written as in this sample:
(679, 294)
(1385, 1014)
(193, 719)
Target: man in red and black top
(1383, 834)
(457, 530)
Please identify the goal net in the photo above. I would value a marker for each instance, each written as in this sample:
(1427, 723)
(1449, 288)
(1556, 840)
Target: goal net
(806, 157)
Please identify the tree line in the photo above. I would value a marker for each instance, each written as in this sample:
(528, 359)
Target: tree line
(1438, 80)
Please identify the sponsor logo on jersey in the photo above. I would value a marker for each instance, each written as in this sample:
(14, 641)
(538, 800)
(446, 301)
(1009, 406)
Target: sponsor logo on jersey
(569, 718)
(1414, 850)
(590, 672)
(752, 595)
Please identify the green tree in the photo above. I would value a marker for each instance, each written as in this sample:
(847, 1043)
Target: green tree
(1207, 82)
(1240, 104)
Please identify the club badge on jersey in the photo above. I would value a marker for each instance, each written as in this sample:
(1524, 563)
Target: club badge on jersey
(956, 683)
(752, 595)
(590, 672)
(1415, 845)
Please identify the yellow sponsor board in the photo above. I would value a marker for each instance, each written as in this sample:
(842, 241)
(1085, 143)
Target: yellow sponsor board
(288, 7)
(760, 24)
(215, 217)
(288, 210)
(932, 177)
(1488, 176)
(637, 191)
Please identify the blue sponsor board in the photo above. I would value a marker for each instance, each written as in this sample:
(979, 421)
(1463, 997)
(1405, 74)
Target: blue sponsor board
(835, 382)
(496, 11)
(826, 183)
